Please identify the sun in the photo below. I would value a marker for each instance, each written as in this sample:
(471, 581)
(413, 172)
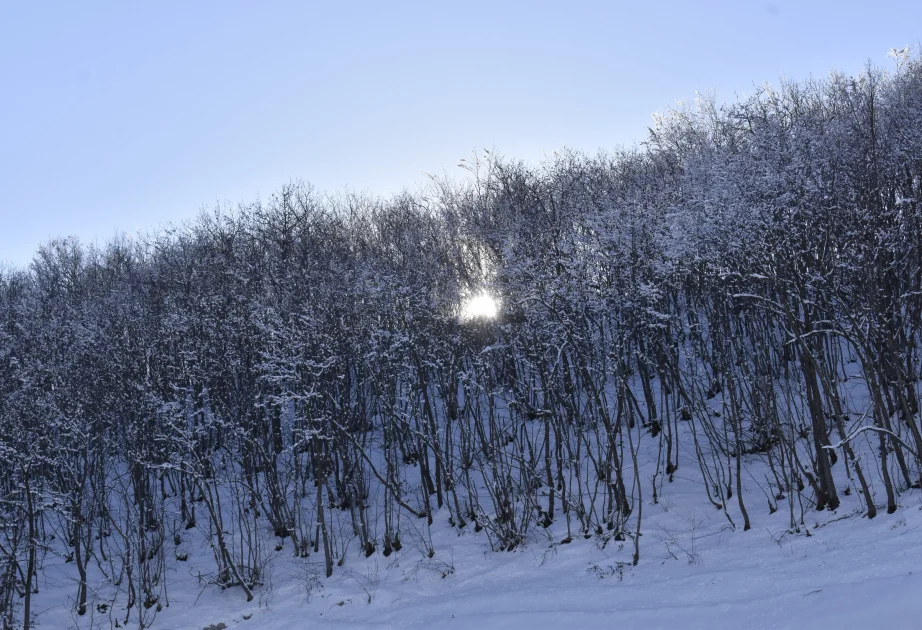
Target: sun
(481, 306)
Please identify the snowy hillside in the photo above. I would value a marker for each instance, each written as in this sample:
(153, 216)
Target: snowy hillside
(841, 571)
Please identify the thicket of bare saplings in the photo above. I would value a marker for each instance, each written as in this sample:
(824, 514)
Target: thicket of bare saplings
(742, 290)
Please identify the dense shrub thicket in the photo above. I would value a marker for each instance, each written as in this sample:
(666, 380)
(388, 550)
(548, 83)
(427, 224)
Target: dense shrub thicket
(300, 364)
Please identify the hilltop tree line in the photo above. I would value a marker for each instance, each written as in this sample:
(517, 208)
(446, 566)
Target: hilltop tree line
(743, 289)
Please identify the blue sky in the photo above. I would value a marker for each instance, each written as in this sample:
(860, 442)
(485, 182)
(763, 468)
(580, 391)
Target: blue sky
(121, 116)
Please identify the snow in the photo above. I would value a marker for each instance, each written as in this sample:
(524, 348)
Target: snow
(850, 574)
(695, 571)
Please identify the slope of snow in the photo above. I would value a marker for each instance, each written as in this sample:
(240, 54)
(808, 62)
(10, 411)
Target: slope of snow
(697, 569)
(695, 572)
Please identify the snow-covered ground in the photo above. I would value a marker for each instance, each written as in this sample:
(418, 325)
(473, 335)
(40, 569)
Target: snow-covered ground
(695, 571)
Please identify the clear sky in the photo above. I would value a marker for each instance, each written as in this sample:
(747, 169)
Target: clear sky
(121, 116)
